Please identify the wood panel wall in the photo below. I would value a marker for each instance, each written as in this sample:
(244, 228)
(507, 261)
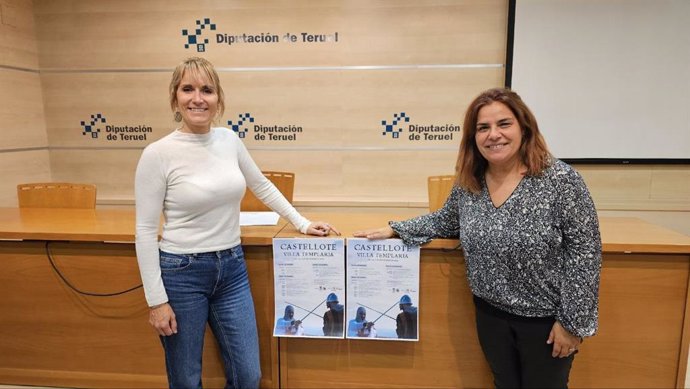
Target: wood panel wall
(424, 59)
(427, 59)
(23, 145)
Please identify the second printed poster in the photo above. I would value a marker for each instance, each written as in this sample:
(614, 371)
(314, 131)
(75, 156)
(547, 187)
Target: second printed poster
(382, 290)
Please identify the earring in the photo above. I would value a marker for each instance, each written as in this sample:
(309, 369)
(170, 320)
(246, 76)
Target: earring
(178, 116)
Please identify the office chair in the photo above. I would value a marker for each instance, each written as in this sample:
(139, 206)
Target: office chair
(285, 182)
(439, 188)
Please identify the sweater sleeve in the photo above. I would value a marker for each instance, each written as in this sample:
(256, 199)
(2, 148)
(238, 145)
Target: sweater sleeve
(265, 191)
(443, 223)
(149, 193)
(582, 243)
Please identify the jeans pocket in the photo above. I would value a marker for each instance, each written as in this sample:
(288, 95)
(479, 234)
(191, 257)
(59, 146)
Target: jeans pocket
(237, 254)
(174, 262)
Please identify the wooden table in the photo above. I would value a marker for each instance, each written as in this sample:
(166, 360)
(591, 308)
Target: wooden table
(51, 335)
(642, 340)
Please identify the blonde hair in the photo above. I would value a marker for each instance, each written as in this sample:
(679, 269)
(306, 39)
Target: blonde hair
(471, 165)
(199, 67)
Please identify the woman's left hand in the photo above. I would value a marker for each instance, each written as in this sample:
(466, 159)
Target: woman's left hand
(564, 343)
(321, 229)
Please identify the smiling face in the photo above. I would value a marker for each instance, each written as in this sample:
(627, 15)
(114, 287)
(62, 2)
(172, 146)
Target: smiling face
(498, 135)
(197, 101)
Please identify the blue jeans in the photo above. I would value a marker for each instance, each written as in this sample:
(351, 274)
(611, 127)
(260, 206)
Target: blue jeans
(210, 287)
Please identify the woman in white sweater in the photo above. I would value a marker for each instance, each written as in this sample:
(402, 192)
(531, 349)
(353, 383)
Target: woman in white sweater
(197, 176)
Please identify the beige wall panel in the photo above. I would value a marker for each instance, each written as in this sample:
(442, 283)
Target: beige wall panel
(394, 176)
(22, 121)
(18, 47)
(611, 181)
(21, 110)
(311, 100)
(318, 174)
(321, 176)
(384, 177)
(145, 34)
(336, 176)
(638, 187)
(432, 97)
(346, 108)
(678, 221)
(21, 167)
(340, 111)
(111, 170)
(671, 182)
(124, 99)
(334, 108)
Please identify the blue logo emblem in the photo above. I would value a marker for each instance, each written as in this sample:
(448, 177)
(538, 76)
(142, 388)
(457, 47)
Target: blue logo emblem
(194, 35)
(90, 126)
(390, 128)
(239, 127)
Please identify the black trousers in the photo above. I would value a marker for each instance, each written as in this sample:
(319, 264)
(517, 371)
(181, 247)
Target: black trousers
(516, 349)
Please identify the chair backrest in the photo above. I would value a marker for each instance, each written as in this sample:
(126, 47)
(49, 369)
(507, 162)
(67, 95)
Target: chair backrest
(56, 195)
(439, 189)
(285, 182)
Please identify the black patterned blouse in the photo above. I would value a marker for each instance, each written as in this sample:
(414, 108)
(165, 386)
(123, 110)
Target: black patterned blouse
(537, 255)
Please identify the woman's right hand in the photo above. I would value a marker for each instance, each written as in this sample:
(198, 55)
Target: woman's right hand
(162, 318)
(377, 233)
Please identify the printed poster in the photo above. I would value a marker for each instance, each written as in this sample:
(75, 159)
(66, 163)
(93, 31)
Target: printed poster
(382, 290)
(309, 280)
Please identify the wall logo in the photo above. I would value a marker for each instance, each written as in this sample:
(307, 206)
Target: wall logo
(91, 127)
(416, 132)
(240, 128)
(390, 128)
(195, 39)
(284, 133)
(198, 37)
(114, 133)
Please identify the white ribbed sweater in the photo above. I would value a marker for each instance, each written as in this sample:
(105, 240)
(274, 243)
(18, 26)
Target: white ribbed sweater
(197, 181)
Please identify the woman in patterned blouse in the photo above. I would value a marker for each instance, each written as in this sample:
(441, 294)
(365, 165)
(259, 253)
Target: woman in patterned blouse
(531, 241)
